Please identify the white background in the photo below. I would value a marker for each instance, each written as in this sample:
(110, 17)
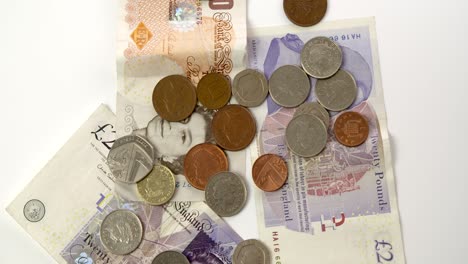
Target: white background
(57, 64)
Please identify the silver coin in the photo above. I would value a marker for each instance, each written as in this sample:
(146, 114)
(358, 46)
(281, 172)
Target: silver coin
(34, 210)
(321, 57)
(250, 88)
(306, 135)
(226, 193)
(289, 86)
(131, 158)
(338, 92)
(314, 108)
(251, 251)
(121, 232)
(170, 257)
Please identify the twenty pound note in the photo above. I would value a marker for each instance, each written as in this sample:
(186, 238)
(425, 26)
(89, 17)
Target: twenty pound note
(340, 206)
(69, 195)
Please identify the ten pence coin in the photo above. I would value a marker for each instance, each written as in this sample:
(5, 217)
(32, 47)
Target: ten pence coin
(306, 135)
(226, 194)
(174, 98)
(305, 13)
(289, 86)
(337, 92)
(269, 172)
(351, 129)
(121, 232)
(203, 161)
(250, 88)
(214, 90)
(233, 127)
(251, 251)
(170, 257)
(158, 187)
(321, 57)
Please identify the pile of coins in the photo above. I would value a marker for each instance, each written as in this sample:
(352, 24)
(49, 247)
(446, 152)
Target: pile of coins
(206, 166)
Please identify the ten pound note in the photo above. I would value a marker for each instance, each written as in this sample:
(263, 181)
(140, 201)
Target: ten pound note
(340, 206)
(157, 38)
(63, 206)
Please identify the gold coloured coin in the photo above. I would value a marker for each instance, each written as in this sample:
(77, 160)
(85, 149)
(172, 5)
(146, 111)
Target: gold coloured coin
(214, 90)
(158, 187)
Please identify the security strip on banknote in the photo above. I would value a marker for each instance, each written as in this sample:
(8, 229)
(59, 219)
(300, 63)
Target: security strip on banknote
(339, 206)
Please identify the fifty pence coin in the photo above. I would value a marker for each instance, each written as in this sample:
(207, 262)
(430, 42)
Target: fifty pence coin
(226, 194)
(314, 108)
(289, 86)
(158, 187)
(305, 13)
(269, 172)
(250, 88)
(174, 98)
(306, 135)
(214, 90)
(337, 92)
(233, 127)
(321, 57)
(170, 257)
(131, 158)
(351, 129)
(251, 251)
(202, 162)
(121, 232)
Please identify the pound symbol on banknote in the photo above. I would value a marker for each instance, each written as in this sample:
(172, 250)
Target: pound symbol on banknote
(384, 251)
(107, 140)
(333, 223)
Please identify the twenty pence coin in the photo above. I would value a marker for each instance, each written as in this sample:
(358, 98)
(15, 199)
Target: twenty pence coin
(233, 127)
(289, 86)
(321, 57)
(203, 161)
(214, 90)
(121, 232)
(305, 13)
(250, 88)
(170, 257)
(251, 251)
(269, 172)
(351, 129)
(158, 187)
(226, 194)
(306, 135)
(337, 92)
(131, 158)
(174, 98)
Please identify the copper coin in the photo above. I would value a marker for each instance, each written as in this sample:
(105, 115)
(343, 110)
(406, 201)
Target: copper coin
(269, 172)
(174, 98)
(305, 13)
(203, 161)
(351, 129)
(214, 90)
(233, 127)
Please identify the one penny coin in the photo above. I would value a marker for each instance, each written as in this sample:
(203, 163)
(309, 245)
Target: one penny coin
(305, 13)
(269, 172)
(233, 127)
(174, 98)
(214, 90)
(203, 161)
(351, 129)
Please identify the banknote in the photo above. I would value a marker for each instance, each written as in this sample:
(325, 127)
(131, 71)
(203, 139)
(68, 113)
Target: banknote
(191, 228)
(340, 206)
(74, 185)
(157, 38)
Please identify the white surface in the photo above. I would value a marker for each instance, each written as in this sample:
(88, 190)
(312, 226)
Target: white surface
(58, 63)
